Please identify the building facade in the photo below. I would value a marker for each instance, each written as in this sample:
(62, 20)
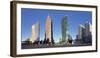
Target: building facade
(64, 28)
(81, 32)
(88, 34)
(35, 32)
(49, 30)
(84, 34)
(32, 39)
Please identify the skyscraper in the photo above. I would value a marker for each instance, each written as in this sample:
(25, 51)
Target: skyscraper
(88, 35)
(81, 35)
(64, 27)
(84, 33)
(87, 28)
(49, 31)
(32, 39)
(81, 31)
(52, 39)
(35, 32)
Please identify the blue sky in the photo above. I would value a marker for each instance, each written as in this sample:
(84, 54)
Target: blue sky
(31, 16)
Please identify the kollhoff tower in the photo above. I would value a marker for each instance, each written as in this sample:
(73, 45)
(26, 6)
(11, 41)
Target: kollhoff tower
(49, 30)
